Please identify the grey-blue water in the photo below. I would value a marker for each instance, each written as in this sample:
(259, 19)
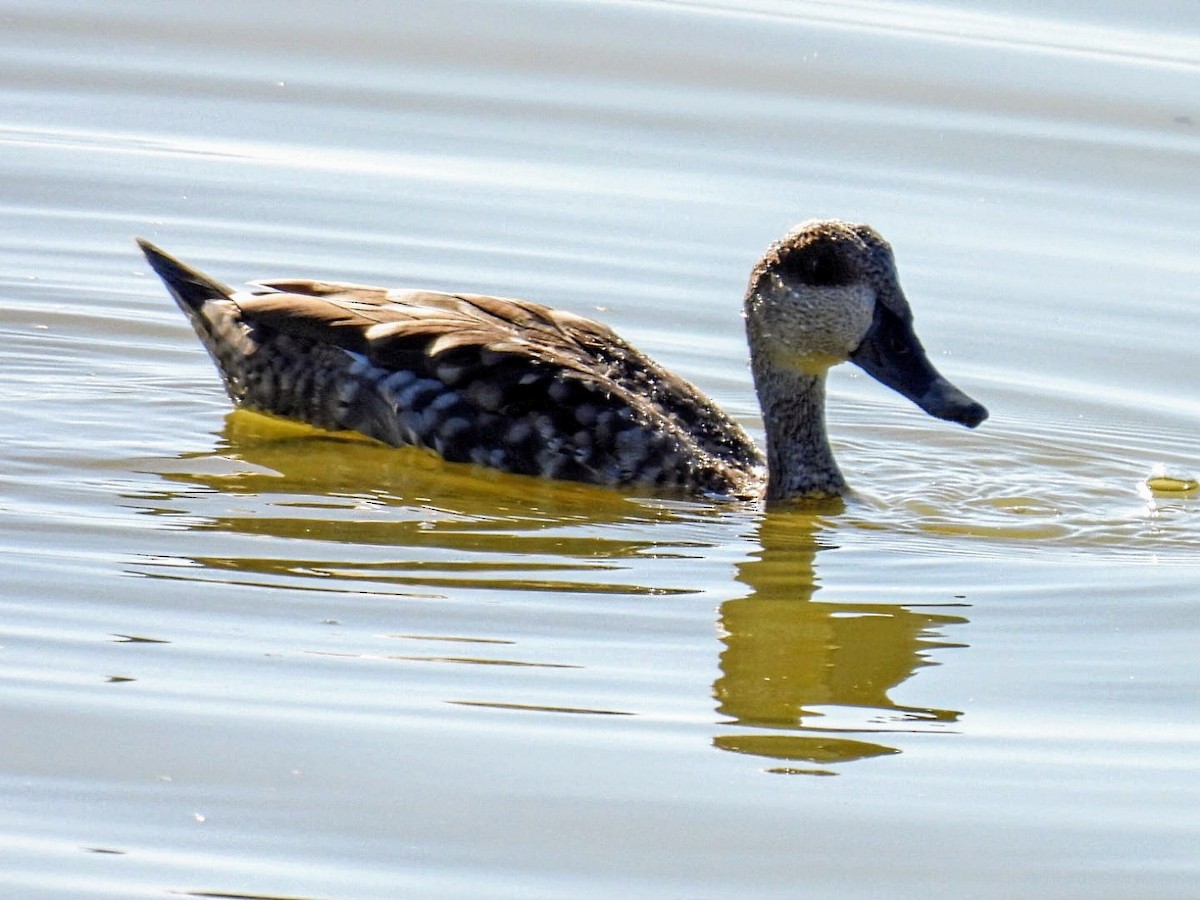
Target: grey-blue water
(242, 658)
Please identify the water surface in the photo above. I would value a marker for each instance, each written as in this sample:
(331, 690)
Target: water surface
(244, 658)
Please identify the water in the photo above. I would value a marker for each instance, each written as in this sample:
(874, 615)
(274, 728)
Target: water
(241, 658)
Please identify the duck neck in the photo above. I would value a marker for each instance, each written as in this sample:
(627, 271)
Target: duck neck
(800, 461)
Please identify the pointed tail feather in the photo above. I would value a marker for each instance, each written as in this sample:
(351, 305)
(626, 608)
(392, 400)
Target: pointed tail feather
(190, 287)
(215, 318)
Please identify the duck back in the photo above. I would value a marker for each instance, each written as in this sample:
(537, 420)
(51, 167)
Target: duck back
(503, 383)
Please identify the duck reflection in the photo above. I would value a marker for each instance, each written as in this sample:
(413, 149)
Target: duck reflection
(453, 526)
(812, 671)
(802, 682)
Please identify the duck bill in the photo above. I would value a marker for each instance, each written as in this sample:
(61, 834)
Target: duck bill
(892, 355)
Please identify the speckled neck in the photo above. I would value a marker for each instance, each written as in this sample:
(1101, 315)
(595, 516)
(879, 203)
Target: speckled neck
(800, 461)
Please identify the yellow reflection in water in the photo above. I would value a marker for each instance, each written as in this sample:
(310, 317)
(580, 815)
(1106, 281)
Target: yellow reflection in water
(502, 532)
(801, 680)
(277, 457)
(789, 660)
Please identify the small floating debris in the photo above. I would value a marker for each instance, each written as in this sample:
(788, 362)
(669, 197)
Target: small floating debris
(1161, 482)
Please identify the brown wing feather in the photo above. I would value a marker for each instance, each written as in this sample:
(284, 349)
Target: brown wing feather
(415, 329)
(382, 323)
(504, 383)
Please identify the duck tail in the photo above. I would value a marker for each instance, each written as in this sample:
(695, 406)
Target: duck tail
(190, 287)
(215, 316)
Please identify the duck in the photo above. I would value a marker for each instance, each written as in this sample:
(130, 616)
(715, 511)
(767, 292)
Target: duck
(514, 385)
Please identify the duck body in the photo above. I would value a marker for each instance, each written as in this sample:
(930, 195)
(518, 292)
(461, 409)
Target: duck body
(507, 384)
(517, 386)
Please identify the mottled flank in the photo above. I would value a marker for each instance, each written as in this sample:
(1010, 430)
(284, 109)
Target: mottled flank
(520, 387)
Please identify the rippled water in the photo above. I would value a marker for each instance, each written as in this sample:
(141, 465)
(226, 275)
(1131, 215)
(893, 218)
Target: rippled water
(244, 658)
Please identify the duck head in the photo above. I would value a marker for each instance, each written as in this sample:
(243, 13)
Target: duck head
(828, 293)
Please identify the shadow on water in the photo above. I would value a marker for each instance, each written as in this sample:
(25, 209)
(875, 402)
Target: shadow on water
(803, 682)
(798, 674)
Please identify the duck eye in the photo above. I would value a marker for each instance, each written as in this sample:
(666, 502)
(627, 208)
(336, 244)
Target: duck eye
(818, 265)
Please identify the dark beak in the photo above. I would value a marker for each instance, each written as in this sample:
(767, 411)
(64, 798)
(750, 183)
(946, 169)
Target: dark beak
(892, 355)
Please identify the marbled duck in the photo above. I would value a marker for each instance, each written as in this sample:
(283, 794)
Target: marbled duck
(536, 391)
